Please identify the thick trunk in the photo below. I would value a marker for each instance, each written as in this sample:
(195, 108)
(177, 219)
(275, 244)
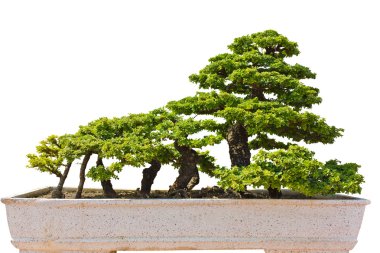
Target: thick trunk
(274, 193)
(149, 174)
(237, 139)
(108, 190)
(82, 175)
(188, 172)
(57, 192)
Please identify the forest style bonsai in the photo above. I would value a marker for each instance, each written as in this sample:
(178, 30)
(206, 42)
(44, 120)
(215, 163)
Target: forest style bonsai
(250, 97)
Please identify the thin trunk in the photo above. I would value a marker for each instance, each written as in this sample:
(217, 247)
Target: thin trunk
(82, 175)
(108, 190)
(274, 193)
(237, 138)
(188, 172)
(57, 192)
(149, 174)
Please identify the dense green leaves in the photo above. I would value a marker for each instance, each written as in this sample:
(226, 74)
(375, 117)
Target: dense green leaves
(102, 173)
(294, 168)
(268, 42)
(256, 68)
(53, 154)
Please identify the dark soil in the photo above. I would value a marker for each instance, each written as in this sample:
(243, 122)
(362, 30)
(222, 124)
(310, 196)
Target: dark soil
(207, 193)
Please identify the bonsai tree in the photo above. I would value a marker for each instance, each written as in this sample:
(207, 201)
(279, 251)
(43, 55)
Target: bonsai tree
(91, 140)
(294, 168)
(54, 157)
(259, 97)
(56, 154)
(135, 142)
(160, 137)
(190, 150)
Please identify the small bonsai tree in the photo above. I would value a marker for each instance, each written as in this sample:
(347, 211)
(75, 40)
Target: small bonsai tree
(91, 139)
(294, 168)
(54, 157)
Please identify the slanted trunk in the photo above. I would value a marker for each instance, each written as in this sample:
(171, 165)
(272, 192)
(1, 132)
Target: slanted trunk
(237, 138)
(149, 174)
(188, 172)
(82, 175)
(108, 190)
(57, 192)
(274, 193)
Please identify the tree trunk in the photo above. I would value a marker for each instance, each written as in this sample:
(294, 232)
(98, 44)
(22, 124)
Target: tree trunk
(82, 175)
(149, 174)
(108, 190)
(274, 193)
(237, 138)
(188, 172)
(57, 192)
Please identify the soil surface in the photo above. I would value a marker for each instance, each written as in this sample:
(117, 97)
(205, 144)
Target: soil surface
(208, 192)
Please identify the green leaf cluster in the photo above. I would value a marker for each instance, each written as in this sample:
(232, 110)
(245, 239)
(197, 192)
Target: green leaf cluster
(52, 154)
(294, 168)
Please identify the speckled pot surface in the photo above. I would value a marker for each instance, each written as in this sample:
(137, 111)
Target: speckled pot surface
(108, 225)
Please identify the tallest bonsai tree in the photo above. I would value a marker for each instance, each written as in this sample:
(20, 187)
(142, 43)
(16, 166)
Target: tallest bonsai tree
(261, 99)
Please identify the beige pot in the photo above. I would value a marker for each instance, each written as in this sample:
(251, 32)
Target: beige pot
(108, 225)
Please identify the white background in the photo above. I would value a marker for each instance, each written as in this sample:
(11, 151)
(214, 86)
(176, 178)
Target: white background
(65, 63)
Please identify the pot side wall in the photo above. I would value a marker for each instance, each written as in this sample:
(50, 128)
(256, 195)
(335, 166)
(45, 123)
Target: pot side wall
(163, 224)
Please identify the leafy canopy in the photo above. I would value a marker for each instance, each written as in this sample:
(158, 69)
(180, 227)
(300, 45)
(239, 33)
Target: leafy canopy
(253, 85)
(53, 154)
(294, 168)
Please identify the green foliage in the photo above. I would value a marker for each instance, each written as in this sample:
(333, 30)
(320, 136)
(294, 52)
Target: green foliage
(294, 168)
(283, 122)
(207, 163)
(255, 86)
(53, 153)
(204, 103)
(265, 142)
(268, 42)
(141, 138)
(100, 173)
(256, 68)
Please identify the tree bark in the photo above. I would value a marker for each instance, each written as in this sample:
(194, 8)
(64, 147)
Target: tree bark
(57, 192)
(82, 175)
(108, 190)
(237, 138)
(149, 174)
(257, 92)
(274, 193)
(188, 172)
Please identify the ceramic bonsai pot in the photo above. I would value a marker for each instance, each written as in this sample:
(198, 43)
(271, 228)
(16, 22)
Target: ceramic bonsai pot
(108, 225)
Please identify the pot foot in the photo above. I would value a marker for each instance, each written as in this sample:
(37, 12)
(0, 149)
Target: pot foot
(75, 251)
(304, 251)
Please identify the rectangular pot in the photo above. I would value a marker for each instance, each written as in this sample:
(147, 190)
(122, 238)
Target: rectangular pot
(108, 225)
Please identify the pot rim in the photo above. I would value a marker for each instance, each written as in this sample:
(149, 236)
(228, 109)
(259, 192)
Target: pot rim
(30, 197)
